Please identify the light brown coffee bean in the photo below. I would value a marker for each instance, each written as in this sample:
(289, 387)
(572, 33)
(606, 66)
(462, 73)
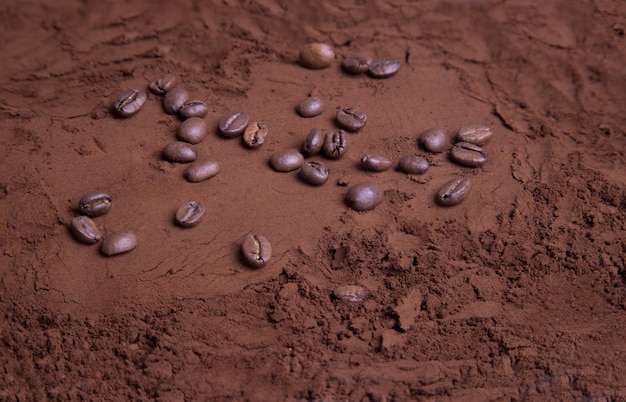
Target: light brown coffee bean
(316, 55)
(434, 140)
(314, 173)
(350, 293)
(254, 135)
(313, 142)
(351, 119)
(256, 250)
(375, 163)
(384, 68)
(310, 107)
(358, 64)
(233, 124)
(364, 196)
(468, 154)
(286, 160)
(335, 144)
(189, 214)
(453, 192)
(130, 102)
(413, 164)
(85, 230)
(180, 152)
(95, 204)
(174, 99)
(162, 84)
(477, 135)
(201, 170)
(193, 108)
(193, 130)
(118, 243)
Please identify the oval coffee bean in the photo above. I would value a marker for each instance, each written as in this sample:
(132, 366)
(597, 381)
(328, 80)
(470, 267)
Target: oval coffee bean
(434, 140)
(286, 160)
(193, 108)
(129, 103)
(310, 107)
(189, 213)
(468, 154)
(85, 230)
(364, 196)
(375, 163)
(313, 142)
(254, 135)
(95, 204)
(335, 144)
(453, 192)
(413, 164)
(201, 170)
(162, 84)
(357, 64)
(316, 55)
(351, 119)
(314, 173)
(119, 242)
(180, 152)
(350, 293)
(233, 124)
(193, 130)
(477, 135)
(256, 250)
(384, 68)
(174, 100)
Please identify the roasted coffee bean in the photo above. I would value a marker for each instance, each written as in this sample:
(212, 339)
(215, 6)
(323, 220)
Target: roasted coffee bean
(193, 130)
(254, 135)
(434, 140)
(384, 68)
(468, 154)
(351, 119)
(162, 84)
(314, 173)
(189, 213)
(174, 99)
(256, 250)
(95, 204)
(453, 192)
(364, 196)
(477, 135)
(357, 64)
(375, 163)
(130, 102)
(85, 230)
(193, 108)
(413, 164)
(310, 107)
(316, 55)
(286, 160)
(313, 142)
(201, 170)
(350, 293)
(180, 152)
(233, 124)
(335, 144)
(119, 242)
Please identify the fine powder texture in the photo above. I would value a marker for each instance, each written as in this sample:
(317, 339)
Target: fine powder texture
(516, 293)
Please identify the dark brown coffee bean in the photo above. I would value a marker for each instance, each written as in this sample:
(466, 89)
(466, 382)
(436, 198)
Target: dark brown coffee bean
(477, 135)
(234, 124)
(357, 64)
(413, 164)
(256, 250)
(85, 230)
(375, 163)
(130, 102)
(350, 293)
(310, 107)
(162, 84)
(351, 119)
(118, 243)
(193, 130)
(193, 108)
(364, 196)
(180, 152)
(316, 55)
(314, 173)
(254, 135)
(174, 99)
(434, 140)
(384, 68)
(453, 192)
(313, 142)
(95, 204)
(468, 154)
(286, 160)
(335, 144)
(201, 170)
(189, 214)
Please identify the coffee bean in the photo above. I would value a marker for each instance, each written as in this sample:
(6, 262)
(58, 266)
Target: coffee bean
(189, 214)
(453, 192)
(335, 144)
(434, 140)
(95, 204)
(130, 102)
(254, 135)
(477, 135)
(468, 154)
(413, 164)
(174, 100)
(364, 196)
(350, 293)
(162, 84)
(310, 107)
(233, 124)
(118, 243)
(313, 142)
(384, 68)
(357, 64)
(193, 130)
(375, 163)
(193, 108)
(256, 250)
(314, 173)
(85, 230)
(180, 152)
(286, 160)
(351, 119)
(201, 170)
(316, 55)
